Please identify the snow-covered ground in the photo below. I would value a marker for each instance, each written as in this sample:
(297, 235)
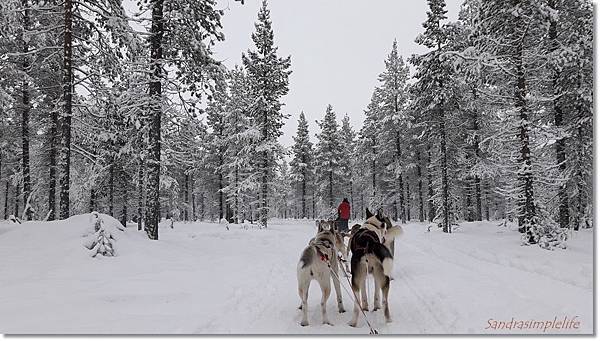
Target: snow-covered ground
(202, 278)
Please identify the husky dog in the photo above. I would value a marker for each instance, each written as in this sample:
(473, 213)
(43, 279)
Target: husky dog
(317, 262)
(370, 245)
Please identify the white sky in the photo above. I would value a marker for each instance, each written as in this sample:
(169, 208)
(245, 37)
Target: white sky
(337, 48)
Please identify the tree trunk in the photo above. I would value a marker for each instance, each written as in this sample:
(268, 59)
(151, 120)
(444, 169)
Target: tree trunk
(111, 189)
(445, 186)
(525, 173)
(399, 181)
(407, 199)
(563, 196)
(236, 196)
(264, 210)
(304, 191)
(6, 199)
(420, 187)
(202, 206)
(431, 207)
(187, 198)
(140, 203)
(477, 179)
(17, 194)
(314, 206)
(25, 115)
(65, 126)
(352, 209)
(92, 203)
(125, 199)
(154, 136)
(467, 192)
(52, 169)
(581, 205)
(221, 209)
(331, 189)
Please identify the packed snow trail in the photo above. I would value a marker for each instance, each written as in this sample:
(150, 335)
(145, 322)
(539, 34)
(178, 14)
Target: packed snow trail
(200, 278)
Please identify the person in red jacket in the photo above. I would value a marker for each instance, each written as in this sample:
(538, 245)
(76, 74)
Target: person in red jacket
(343, 215)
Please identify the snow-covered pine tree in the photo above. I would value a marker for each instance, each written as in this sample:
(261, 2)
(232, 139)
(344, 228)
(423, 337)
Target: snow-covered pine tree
(513, 53)
(329, 156)
(569, 46)
(216, 118)
(240, 139)
(367, 154)
(348, 166)
(393, 144)
(192, 28)
(302, 170)
(268, 80)
(431, 95)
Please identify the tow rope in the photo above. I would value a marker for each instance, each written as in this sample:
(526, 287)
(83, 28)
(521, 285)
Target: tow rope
(372, 331)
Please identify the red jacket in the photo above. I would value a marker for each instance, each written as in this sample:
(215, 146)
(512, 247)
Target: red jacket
(344, 210)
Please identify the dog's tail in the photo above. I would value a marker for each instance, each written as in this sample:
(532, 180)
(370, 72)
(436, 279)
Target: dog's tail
(385, 257)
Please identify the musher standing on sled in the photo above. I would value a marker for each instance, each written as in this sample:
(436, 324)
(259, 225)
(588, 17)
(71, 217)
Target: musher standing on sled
(343, 215)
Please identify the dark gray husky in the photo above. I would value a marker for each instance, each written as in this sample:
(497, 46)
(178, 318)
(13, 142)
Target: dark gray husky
(370, 245)
(317, 262)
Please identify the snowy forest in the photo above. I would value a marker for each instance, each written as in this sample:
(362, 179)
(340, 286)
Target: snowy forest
(128, 113)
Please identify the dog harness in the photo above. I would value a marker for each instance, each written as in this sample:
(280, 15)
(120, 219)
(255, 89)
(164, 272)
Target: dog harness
(369, 234)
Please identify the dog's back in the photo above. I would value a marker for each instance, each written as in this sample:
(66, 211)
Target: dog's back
(365, 242)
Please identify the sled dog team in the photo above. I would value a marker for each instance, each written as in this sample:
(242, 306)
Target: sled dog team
(370, 245)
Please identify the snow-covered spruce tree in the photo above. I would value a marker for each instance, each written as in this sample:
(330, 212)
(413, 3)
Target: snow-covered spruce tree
(102, 33)
(216, 119)
(27, 54)
(569, 46)
(328, 160)
(268, 82)
(513, 56)
(240, 138)
(432, 95)
(347, 167)
(181, 35)
(282, 192)
(394, 122)
(302, 170)
(368, 154)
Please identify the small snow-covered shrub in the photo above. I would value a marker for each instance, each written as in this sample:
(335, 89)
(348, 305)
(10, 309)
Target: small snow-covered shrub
(14, 220)
(546, 233)
(246, 225)
(102, 241)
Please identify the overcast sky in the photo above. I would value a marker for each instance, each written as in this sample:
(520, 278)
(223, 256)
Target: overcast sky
(337, 48)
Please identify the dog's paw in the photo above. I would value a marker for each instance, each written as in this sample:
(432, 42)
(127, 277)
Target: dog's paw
(304, 323)
(352, 324)
(376, 308)
(327, 322)
(341, 310)
(300, 307)
(365, 308)
(388, 319)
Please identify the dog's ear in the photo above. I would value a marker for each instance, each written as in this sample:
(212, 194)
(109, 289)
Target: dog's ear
(380, 216)
(369, 214)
